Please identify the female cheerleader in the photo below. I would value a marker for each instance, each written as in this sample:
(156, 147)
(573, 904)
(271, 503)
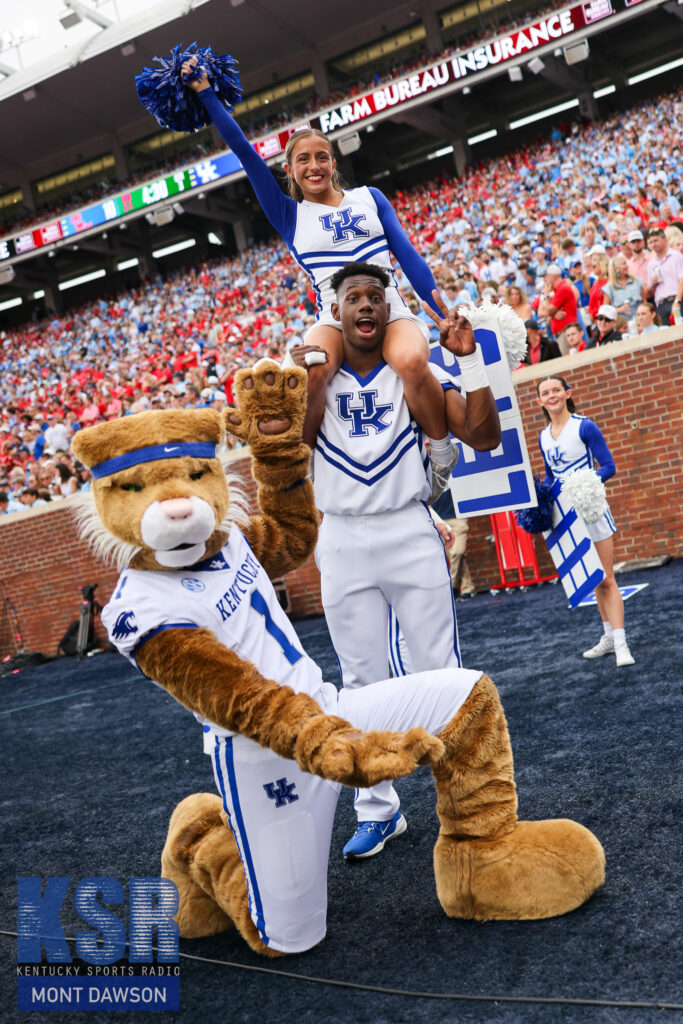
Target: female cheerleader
(326, 226)
(571, 442)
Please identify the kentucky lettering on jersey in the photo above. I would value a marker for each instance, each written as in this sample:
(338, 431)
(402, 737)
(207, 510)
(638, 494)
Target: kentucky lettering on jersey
(231, 596)
(244, 577)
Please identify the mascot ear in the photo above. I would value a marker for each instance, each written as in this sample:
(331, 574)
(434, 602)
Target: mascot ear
(89, 445)
(95, 445)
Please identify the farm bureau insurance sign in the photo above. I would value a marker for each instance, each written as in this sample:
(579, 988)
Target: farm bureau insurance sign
(498, 51)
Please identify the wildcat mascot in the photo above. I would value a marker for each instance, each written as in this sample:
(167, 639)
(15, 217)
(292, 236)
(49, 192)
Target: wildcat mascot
(194, 610)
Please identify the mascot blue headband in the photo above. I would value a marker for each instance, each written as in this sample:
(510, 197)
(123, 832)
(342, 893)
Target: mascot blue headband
(172, 450)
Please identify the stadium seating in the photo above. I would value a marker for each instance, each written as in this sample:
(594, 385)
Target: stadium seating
(160, 342)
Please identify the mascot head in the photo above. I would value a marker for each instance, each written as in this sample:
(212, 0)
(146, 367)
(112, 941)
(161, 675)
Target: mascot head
(160, 497)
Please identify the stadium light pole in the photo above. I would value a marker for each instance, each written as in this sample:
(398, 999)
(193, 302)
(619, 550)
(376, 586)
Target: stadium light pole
(77, 11)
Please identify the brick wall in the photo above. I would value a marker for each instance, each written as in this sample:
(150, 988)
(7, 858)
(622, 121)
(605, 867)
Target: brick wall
(633, 390)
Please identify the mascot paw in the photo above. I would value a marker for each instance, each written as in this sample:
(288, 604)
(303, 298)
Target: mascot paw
(388, 755)
(364, 758)
(271, 406)
(538, 869)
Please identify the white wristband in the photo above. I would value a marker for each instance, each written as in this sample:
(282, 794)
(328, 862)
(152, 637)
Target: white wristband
(315, 358)
(472, 372)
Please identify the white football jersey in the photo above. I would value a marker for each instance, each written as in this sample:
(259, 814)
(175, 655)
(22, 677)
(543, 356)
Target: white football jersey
(231, 595)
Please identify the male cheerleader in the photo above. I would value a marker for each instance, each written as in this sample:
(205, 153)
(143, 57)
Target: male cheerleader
(378, 547)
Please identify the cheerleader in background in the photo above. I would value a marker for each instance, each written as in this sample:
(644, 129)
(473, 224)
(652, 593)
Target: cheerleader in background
(571, 442)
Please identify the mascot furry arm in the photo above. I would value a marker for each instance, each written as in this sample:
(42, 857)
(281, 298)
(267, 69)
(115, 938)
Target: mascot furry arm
(163, 499)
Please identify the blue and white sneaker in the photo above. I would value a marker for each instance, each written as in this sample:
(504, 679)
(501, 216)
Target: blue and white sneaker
(371, 836)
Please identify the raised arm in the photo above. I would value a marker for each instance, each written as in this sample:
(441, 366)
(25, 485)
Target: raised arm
(278, 208)
(317, 388)
(269, 419)
(474, 419)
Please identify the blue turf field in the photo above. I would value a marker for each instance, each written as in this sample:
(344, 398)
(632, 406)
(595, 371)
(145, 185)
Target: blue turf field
(95, 758)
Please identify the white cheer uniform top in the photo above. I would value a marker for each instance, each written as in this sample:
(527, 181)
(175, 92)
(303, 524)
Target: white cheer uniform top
(231, 595)
(327, 237)
(579, 445)
(370, 455)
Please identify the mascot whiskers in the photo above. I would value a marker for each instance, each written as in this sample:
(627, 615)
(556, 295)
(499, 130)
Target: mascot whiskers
(195, 611)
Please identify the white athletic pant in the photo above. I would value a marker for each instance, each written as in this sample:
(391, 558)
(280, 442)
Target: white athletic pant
(367, 565)
(400, 662)
(282, 817)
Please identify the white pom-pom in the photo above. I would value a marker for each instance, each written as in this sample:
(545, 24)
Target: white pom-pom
(512, 329)
(586, 492)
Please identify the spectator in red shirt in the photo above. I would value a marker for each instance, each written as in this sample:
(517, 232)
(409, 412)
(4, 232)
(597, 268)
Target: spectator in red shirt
(558, 300)
(573, 339)
(600, 264)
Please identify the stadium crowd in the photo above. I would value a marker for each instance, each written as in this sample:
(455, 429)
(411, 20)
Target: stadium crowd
(262, 121)
(584, 249)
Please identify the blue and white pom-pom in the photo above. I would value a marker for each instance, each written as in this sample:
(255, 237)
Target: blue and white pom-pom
(512, 329)
(163, 90)
(538, 519)
(585, 491)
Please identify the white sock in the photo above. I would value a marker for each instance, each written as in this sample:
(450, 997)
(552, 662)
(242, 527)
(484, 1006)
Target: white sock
(441, 450)
(608, 630)
(619, 637)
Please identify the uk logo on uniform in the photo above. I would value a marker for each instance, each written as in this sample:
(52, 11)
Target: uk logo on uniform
(367, 414)
(281, 792)
(344, 224)
(557, 457)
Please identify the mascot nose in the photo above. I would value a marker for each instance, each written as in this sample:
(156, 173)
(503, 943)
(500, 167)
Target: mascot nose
(176, 508)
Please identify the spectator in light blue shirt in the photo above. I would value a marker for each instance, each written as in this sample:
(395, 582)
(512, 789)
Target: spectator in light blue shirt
(8, 504)
(622, 291)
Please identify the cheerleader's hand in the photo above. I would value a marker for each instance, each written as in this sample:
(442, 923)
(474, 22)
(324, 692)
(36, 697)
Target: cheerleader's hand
(455, 331)
(197, 84)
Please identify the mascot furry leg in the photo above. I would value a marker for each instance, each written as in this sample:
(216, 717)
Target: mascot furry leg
(202, 858)
(488, 865)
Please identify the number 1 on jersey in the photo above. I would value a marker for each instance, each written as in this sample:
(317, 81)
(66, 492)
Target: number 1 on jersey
(258, 603)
